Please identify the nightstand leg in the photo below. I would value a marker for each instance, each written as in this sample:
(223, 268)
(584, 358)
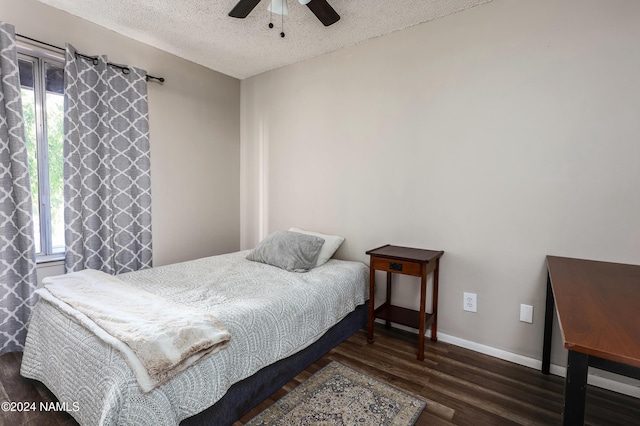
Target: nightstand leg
(434, 325)
(372, 287)
(387, 323)
(423, 301)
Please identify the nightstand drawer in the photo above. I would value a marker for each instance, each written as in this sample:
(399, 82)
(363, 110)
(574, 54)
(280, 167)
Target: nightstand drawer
(397, 266)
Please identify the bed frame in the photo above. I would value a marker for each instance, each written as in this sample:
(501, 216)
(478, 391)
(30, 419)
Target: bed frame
(243, 396)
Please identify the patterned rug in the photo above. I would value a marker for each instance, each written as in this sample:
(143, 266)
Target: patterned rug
(338, 395)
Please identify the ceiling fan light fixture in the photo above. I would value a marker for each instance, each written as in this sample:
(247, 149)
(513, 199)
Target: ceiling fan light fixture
(321, 8)
(279, 7)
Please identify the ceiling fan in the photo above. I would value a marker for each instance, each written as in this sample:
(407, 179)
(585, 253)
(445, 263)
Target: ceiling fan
(323, 10)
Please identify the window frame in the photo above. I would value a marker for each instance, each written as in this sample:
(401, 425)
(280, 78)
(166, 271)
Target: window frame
(40, 56)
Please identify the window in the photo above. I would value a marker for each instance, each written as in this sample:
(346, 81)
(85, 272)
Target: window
(42, 78)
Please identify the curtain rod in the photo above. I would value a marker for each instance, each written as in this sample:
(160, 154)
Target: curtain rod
(94, 59)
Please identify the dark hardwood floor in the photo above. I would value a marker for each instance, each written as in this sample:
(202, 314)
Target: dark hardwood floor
(462, 387)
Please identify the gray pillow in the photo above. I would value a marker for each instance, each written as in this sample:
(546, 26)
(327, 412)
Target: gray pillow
(288, 250)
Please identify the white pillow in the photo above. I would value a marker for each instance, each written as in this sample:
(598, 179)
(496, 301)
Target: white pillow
(331, 244)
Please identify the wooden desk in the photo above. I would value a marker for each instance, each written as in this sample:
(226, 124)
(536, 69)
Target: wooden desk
(598, 306)
(407, 261)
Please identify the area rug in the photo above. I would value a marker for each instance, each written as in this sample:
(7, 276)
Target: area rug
(339, 395)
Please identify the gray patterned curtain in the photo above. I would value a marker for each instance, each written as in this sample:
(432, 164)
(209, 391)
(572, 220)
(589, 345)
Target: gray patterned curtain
(18, 278)
(107, 188)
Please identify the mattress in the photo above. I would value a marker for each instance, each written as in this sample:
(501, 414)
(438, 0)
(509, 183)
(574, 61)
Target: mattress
(270, 313)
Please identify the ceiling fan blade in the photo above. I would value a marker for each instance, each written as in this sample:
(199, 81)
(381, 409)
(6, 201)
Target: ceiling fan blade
(243, 8)
(324, 12)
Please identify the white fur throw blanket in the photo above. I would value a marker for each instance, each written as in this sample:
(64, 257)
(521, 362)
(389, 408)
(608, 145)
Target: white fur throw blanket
(158, 337)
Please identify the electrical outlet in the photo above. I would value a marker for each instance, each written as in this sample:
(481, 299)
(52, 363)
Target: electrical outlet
(470, 302)
(526, 313)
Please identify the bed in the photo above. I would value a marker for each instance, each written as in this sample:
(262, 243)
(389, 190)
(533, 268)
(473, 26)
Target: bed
(280, 322)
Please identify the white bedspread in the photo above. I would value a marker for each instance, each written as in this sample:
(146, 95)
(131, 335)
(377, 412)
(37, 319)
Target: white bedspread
(270, 313)
(158, 338)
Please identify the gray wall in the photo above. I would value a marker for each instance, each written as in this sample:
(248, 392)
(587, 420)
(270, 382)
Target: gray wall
(499, 134)
(195, 134)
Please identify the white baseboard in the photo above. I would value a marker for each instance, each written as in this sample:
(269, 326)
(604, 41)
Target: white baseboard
(598, 381)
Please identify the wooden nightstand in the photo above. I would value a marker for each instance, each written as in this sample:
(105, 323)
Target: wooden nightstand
(407, 261)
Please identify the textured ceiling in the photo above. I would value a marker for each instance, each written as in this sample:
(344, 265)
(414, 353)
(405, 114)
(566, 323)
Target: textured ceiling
(201, 31)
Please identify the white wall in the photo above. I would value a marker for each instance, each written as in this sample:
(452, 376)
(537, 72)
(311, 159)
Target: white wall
(499, 134)
(194, 120)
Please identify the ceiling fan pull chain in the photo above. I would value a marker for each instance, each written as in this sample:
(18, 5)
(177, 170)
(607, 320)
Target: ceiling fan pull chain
(282, 25)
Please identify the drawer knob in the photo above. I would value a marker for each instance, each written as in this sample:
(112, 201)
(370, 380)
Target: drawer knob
(395, 266)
